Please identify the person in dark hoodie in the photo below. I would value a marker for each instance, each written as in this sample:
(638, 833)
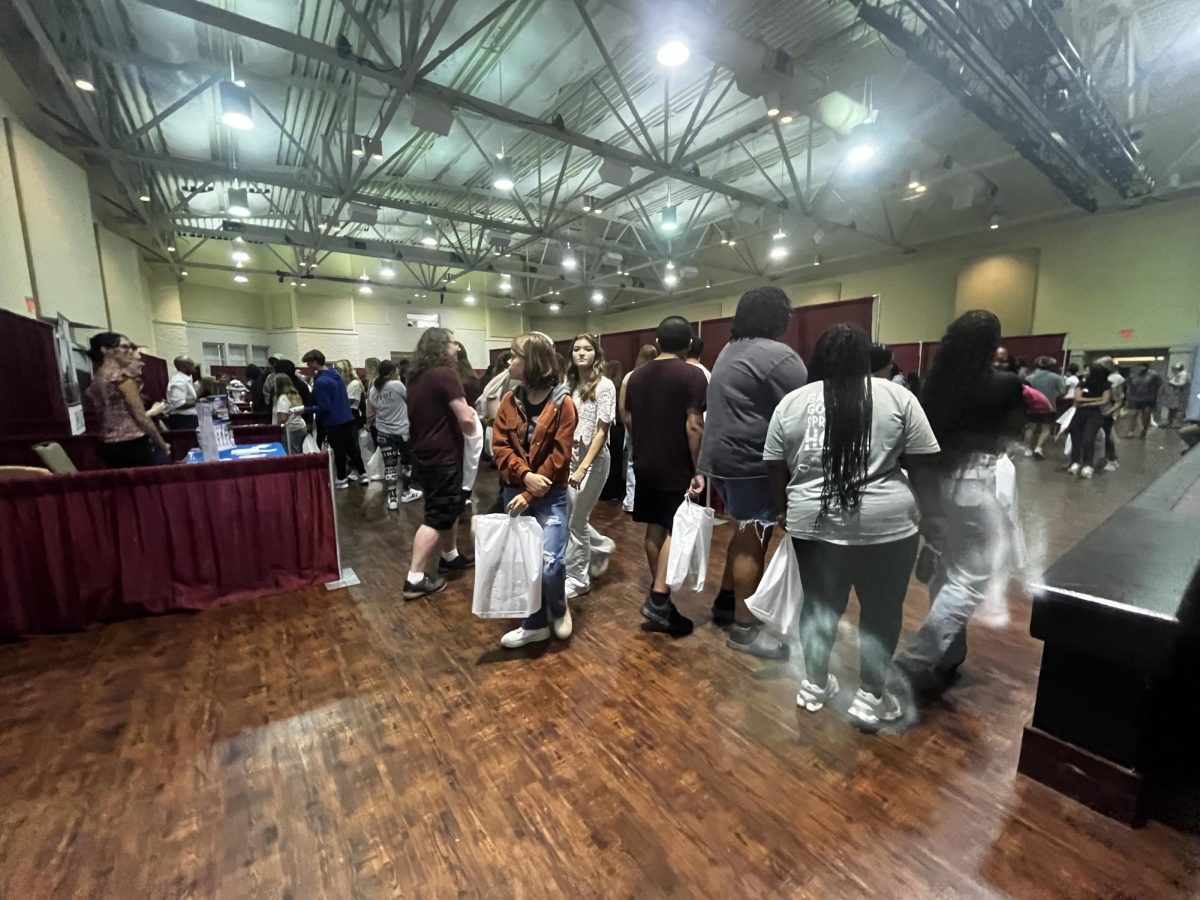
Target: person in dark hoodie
(332, 409)
(531, 443)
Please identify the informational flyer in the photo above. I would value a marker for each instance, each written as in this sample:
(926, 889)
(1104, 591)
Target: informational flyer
(215, 430)
(71, 392)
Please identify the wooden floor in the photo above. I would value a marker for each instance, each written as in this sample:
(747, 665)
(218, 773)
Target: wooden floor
(352, 745)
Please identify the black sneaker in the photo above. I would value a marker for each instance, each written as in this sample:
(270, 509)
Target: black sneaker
(665, 619)
(460, 563)
(757, 641)
(426, 586)
(722, 608)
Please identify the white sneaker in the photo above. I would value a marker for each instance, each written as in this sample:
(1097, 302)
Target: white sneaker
(1113, 465)
(519, 637)
(410, 495)
(812, 697)
(1086, 472)
(563, 626)
(1028, 453)
(1073, 469)
(873, 711)
(575, 590)
(606, 548)
(342, 483)
(364, 478)
(392, 503)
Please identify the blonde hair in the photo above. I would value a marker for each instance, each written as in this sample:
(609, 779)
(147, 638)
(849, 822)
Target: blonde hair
(542, 365)
(343, 368)
(586, 382)
(285, 388)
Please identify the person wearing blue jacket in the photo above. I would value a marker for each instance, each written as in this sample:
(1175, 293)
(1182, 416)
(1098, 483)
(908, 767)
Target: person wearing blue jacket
(332, 409)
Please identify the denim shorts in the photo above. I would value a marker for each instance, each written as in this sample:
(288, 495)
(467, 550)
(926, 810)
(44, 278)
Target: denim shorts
(747, 499)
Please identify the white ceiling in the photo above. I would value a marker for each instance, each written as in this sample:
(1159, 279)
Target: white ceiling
(154, 120)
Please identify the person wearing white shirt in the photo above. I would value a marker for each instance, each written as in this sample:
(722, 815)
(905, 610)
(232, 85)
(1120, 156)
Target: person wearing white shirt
(181, 396)
(695, 351)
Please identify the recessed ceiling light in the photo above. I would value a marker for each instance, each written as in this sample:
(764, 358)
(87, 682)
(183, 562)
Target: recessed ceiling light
(386, 271)
(670, 279)
(673, 53)
(293, 284)
(240, 278)
(170, 248)
(84, 85)
(183, 272)
(597, 296)
(786, 119)
(994, 223)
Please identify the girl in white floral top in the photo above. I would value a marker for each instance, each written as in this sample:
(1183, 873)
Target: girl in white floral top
(595, 398)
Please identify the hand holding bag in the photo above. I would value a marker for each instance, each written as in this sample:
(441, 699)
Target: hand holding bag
(777, 601)
(691, 538)
(508, 566)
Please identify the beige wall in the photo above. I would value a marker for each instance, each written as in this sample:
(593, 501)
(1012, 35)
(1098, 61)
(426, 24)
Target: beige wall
(220, 306)
(125, 289)
(1005, 283)
(14, 270)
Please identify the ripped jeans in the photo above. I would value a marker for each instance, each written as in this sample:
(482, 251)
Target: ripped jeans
(551, 513)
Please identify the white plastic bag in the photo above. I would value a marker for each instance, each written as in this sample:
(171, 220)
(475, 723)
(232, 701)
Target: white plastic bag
(310, 444)
(472, 450)
(691, 538)
(366, 446)
(777, 601)
(375, 466)
(1006, 493)
(508, 566)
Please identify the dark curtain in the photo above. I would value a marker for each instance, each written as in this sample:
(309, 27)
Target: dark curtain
(30, 384)
(621, 346)
(715, 333)
(102, 546)
(809, 322)
(1030, 346)
(154, 378)
(564, 347)
(907, 356)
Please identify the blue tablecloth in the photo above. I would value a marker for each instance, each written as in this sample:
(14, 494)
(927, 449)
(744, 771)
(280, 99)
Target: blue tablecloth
(247, 451)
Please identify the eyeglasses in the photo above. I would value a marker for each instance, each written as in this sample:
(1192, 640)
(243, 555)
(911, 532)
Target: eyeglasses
(125, 345)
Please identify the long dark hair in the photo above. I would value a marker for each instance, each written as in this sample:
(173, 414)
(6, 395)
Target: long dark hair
(105, 340)
(762, 312)
(288, 368)
(433, 350)
(842, 361)
(963, 362)
(386, 368)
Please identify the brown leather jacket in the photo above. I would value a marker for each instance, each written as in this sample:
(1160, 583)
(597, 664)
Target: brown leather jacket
(548, 453)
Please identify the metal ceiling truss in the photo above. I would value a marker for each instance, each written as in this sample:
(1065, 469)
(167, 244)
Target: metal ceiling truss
(1007, 61)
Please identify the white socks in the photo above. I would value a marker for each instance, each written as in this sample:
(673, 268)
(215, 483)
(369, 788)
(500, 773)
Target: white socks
(416, 577)
(451, 556)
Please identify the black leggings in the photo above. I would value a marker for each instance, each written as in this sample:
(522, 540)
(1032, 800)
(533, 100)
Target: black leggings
(397, 464)
(1084, 427)
(343, 439)
(879, 574)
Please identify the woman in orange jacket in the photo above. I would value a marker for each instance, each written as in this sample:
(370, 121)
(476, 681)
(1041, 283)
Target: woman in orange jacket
(531, 444)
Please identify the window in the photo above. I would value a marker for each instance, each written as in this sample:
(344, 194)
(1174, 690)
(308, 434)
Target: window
(214, 355)
(259, 355)
(237, 355)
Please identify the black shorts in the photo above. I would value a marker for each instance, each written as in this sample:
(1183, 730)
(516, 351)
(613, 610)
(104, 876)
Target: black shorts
(1145, 404)
(656, 507)
(443, 493)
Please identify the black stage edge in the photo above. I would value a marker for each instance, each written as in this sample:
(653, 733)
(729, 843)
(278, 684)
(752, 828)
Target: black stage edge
(1118, 698)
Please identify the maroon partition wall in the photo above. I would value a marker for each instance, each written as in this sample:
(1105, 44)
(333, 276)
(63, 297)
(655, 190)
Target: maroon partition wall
(715, 333)
(30, 385)
(907, 356)
(1029, 347)
(809, 322)
(154, 378)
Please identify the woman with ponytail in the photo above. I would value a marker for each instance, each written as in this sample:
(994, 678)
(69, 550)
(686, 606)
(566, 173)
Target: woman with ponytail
(834, 451)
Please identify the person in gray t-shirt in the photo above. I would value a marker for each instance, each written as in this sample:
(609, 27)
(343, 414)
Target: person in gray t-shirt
(1043, 379)
(752, 374)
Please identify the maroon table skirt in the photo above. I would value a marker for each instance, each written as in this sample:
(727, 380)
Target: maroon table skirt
(103, 546)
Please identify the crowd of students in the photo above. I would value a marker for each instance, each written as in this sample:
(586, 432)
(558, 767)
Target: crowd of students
(855, 462)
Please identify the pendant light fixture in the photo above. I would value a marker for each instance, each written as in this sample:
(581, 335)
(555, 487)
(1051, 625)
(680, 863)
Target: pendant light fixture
(670, 219)
(429, 236)
(235, 106)
(469, 299)
(569, 262)
(597, 296)
(505, 283)
(84, 79)
(386, 271)
(240, 256)
(237, 202)
(501, 172)
(779, 250)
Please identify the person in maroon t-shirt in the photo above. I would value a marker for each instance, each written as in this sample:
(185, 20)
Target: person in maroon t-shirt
(666, 400)
(439, 416)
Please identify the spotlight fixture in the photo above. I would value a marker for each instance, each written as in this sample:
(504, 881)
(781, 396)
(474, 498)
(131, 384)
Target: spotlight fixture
(240, 256)
(235, 106)
(303, 284)
(786, 119)
(669, 218)
(501, 173)
(778, 249)
(505, 283)
(364, 277)
(914, 181)
(239, 265)
(673, 53)
(429, 236)
(84, 79)
(240, 278)
(670, 279)
(293, 284)
(569, 262)
(359, 147)
(170, 248)
(994, 222)
(183, 273)
(587, 204)
(239, 240)
(670, 265)
(364, 289)
(469, 299)
(597, 296)
(144, 193)
(771, 99)
(920, 189)
(555, 307)
(386, 271)
(237, 202)
(817, 259)
(365, 145)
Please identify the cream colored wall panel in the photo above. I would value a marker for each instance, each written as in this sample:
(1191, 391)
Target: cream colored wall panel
(58, 219)
(1004, 283)
(280, 310)
(209, 305)
(128, 304)
(170, 341)
(505, 323)
(370, 311)
(333, 344)
(14, 268)
(317, 313)
(916, 299)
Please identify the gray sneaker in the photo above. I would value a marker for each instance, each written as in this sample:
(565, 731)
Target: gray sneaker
(757, 641)
(430, 584)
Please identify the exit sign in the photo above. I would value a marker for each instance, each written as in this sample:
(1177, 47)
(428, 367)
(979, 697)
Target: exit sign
(1127, 333)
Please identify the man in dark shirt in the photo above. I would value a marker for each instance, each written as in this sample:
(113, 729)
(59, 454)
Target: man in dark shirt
(332, 408)
(438, 416)
(666, 400)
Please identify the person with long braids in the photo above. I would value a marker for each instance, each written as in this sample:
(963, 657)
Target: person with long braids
(834, 452)
(595, 398)
(975, 408)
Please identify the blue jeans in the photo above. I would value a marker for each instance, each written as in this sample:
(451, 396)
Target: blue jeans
(552, 514)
